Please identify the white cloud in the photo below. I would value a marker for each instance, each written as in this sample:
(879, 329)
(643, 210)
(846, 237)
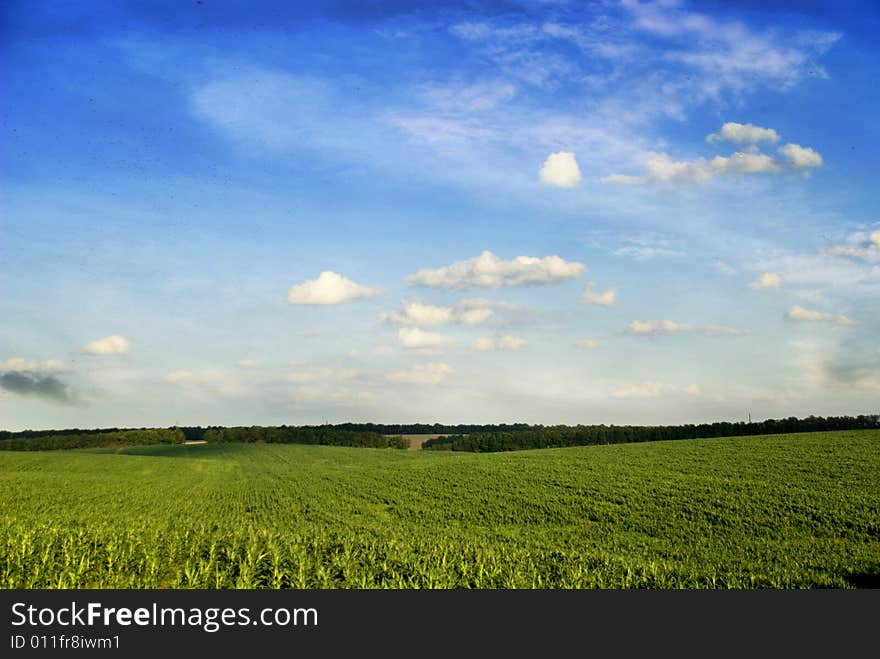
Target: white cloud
(660, 168)
(623, 179)
(644, 252)
(654, 390)
(743, 134)
(329, 288)
(864, 247)
(489, 271)
(511, 343)
(801, 157)
(606, 298)
(430, 373)
(413, 337)
(504, 343)
(416, 313)
(587, 344)
(485, 344)
(802, 314)
(181, 376)
(658, 327)
(32, 365)
(343, 396)
(692, 390)
(246, 363)
(560, 170)
(308, 375)
(109, 345)
(767, 280)
(475, 316)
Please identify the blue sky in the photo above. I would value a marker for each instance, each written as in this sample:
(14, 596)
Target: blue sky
(550, 212)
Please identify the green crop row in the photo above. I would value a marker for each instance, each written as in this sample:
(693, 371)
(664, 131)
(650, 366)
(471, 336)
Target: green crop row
(791, 511)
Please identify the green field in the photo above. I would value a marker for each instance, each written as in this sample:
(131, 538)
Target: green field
(749, 512)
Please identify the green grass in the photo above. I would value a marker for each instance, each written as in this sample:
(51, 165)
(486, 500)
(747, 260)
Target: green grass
(784, 511)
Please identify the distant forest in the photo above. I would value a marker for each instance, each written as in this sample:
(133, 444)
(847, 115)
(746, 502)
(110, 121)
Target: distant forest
(558, 436)
(481, 438)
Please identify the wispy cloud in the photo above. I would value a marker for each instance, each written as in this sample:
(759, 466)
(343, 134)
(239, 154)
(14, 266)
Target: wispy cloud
(654, 390)
(659, 327)
(802, 314)
(429, 373)
(766, 280)
(32, 365)
(507, 342)
(605, 298)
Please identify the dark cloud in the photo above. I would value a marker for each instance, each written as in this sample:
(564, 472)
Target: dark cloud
(33, 384)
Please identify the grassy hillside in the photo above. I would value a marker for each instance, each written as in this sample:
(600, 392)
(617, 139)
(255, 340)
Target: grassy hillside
(781, 511)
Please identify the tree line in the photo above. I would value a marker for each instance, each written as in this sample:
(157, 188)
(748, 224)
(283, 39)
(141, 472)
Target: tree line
(479, 438)
(325, 435)
(540, 436)
(104, 439)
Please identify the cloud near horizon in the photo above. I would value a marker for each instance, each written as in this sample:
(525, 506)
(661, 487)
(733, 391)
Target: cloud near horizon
(429, 373)
(654, 390)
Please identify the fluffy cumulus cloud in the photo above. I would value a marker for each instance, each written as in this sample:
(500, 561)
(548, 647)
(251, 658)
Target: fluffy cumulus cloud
(413, 337)
(605, 298)
(801, 157)
(32, 365)
(109, 345)
(658, 327)
(586, 344)
(489, 271)
(504, 343)
(329, 288)
(429, 373)
(654, 390)
(466, 312)
(26, 383)
(660, 168)
(743, 134)
(560, 170)
(767, 280)
(801, 314)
